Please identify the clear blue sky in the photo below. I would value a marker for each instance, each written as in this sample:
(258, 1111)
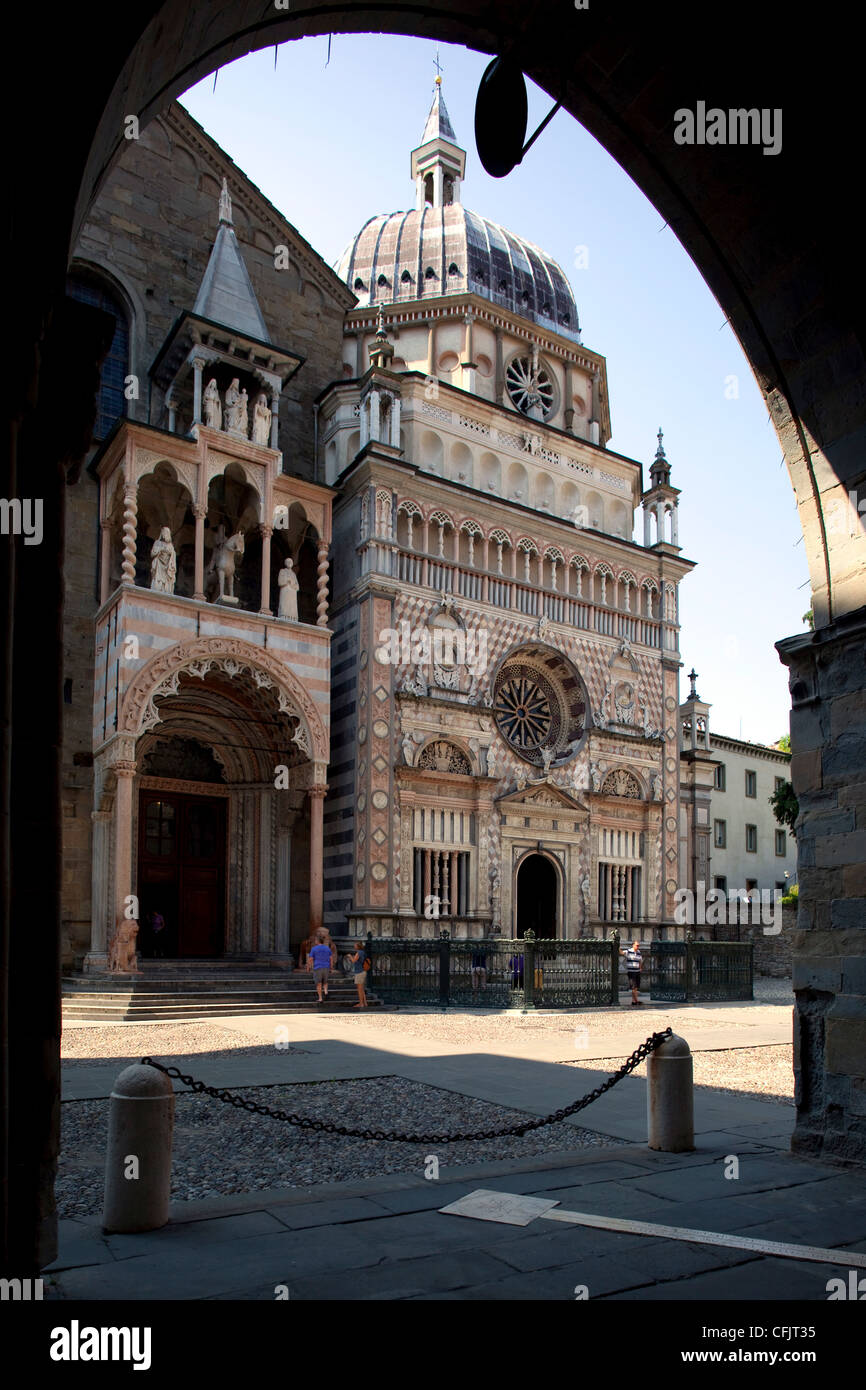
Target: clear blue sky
(329, 146)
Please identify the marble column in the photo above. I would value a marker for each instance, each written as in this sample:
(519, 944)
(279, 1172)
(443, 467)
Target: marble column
(197, 369)
(275, 421)
(101, 835)
(130, 522)
(265, 609)
(317, 803)
(200, 513)
(322, 586)
(122, 887)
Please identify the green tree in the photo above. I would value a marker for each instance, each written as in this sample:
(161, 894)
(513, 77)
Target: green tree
(785, 806)
(809, 619)
(784, 744)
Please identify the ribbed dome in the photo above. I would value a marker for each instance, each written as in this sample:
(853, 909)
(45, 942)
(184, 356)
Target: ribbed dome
(405, 256)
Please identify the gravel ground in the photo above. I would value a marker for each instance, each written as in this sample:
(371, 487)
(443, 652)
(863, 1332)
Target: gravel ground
(172, 1041)
(766, 1073)
(220, 1151)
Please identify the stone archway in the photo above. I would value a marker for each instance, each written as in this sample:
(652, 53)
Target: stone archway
(790, 286)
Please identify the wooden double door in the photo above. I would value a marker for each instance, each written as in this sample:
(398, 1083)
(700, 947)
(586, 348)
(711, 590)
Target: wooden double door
(181, 874)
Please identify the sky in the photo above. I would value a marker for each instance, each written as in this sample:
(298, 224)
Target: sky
(327, 139)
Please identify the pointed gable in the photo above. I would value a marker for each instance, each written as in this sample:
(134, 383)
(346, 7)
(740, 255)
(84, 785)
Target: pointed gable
(226, 295)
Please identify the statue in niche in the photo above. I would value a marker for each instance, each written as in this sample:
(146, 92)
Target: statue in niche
(408, 748)
(121, 950)
(595, 777)
(261, 420)
(225, 556)
(213, 410)
(288, 582)
(243, 415)
(163, 563)
(584, 893)
(236, 409)
(656, 786)
(491, 761)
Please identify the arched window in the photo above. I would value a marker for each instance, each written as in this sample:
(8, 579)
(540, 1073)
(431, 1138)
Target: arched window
(111, 403)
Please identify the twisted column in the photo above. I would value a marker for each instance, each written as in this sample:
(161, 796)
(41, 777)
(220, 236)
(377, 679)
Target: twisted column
(322, 586)
(130, 511)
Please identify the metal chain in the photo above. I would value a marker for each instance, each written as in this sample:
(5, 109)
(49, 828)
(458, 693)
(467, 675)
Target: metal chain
(326, 1127)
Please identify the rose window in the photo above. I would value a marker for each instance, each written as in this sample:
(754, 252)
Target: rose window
(523, 712)
(539, 705)
(530, 388)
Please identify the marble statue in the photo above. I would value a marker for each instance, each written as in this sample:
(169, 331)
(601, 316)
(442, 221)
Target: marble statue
(233, 412)
(243, 425)
(595, 776)
(547, 759)
(121, 949)
(163, 563)
(226, 555)
(261, 420)
(213, 410)
(288, 582)
(656, 787)
(584, 892)
(491, 761)
(408, 748)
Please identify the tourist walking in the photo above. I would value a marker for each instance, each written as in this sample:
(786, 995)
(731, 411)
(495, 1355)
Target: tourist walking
(320, 963)
(361, 963)
(633, 966)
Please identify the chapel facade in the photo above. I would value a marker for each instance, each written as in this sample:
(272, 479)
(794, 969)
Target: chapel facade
(365, 638)
(506, 657)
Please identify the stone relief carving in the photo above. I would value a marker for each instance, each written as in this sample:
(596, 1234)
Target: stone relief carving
(621, 783)
(444, 757)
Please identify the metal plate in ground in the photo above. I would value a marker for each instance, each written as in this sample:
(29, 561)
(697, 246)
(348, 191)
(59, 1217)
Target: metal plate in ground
(511, 1208)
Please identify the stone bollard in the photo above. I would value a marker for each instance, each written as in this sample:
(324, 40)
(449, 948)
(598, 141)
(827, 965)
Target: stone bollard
(670, 1097)
(138, 1156)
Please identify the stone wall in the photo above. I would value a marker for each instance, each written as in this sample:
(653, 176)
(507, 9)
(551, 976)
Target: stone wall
(828, 771)
(773, 954)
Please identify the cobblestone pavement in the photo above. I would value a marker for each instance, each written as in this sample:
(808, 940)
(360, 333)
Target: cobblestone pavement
(219, 1150)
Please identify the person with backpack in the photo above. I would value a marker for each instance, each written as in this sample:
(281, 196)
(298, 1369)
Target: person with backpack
(633, 965)
(361, 963)
(319, 961)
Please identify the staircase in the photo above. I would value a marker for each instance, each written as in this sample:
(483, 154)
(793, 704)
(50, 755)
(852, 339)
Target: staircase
(188, 990)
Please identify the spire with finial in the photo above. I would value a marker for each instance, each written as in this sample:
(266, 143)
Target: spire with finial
(382, 350)
(693, 694)
(438, 164)
(660, 470)
(225, 204)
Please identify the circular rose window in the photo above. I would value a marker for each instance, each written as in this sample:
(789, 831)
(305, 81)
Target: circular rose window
(539, 705)
(530, 388)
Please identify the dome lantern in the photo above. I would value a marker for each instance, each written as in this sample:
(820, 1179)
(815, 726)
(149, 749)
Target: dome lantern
(438, 164)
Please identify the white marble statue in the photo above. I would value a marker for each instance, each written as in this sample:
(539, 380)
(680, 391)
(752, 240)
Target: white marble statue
(656, 787)
(232, 416)
(213, 410)
(288, 582)
(261, 420)
(547, 759)
(224, 558)
(595, 777)
(584, 891)
(243, 425)
(163, 563)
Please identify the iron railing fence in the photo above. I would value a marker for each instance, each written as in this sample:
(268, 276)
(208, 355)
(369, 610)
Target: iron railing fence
(495, 972)
(701, 971)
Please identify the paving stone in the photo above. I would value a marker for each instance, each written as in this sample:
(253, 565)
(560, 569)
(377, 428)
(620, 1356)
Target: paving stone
(757, 1174)
(331, 1213)
(192, 1234)
(407, 1278)
(758, 1281)
(601, 1276)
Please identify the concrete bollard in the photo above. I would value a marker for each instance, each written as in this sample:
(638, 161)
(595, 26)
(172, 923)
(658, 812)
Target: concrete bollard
(670, 1097)
(138, 1155)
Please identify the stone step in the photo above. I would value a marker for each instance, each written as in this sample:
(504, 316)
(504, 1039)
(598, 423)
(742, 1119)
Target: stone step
(188, 1009)
(72, 986)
